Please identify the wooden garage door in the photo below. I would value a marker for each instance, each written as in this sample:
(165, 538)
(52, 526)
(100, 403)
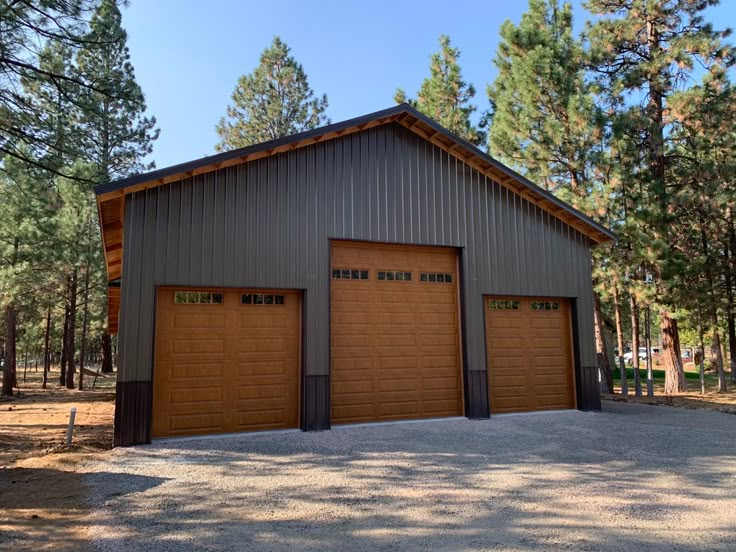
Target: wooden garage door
(395, 333)
(225, 361)
(530, 364)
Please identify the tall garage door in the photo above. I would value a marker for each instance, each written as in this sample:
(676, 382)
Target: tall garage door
(225, 361)
(530, 363)
(395, 333)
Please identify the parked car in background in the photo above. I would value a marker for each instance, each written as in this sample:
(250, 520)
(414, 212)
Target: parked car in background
(629, 356)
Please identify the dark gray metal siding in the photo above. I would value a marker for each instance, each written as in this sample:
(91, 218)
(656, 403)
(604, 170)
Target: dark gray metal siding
(268, 224)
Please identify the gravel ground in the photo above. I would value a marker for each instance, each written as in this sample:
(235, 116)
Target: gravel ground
(634, 477)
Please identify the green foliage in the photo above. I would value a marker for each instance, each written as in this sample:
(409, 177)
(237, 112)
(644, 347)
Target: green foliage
(28, 225)
(543, 117)
(273, 101)
(116, 135)
(445, 97)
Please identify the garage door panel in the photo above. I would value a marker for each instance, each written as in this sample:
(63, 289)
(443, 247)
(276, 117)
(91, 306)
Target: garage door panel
(258, 418)
(197, 321)
(398, 383)
(447, 384)
(200, 394)
(354, 413)
(186, 424)
(397, 409)
(529, 355)
(201, 345)
(440, 407)
(215, 361)
(261, 368)
(359, 385)
(190, 372)
(405, 326)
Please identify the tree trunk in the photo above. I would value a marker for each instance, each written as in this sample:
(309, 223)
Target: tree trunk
(702, 353)
(620, 339)
(674, 374)
(83, 346)
(46, 352)
(63, 361)
(722, 385)
(713, 307)
(71, 346)
(9, 368)
(106, 353)
(730, 252)
(648, 345)
(635, 344)
(604, 367)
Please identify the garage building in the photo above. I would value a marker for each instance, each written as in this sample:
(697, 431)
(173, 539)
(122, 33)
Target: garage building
(377, 269)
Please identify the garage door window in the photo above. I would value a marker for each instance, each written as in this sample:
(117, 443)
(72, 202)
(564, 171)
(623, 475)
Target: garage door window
(197, 298)
(435, 278)
(500, 304)
(545, 305)
(349, 274)
(261, 299)
(394, 276)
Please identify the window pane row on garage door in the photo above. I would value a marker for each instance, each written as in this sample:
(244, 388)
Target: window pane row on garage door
(230, 360)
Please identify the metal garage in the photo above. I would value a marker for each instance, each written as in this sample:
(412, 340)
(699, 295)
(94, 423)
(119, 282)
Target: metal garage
(387, 236)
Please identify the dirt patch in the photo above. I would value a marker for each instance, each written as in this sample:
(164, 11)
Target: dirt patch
(722, 402)
(42, 504)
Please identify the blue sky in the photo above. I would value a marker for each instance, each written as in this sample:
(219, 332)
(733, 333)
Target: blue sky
(189, 54)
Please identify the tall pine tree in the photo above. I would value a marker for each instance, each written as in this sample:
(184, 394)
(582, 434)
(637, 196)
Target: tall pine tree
(643, 52)
(544, 122)
(445, 97)
(542, 112)
(118, 136)
(273, 101)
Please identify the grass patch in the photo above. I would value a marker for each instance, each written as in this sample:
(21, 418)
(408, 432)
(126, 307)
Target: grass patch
(658, 375)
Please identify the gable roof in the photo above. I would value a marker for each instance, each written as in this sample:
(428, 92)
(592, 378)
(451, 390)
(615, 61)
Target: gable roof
(111, 196)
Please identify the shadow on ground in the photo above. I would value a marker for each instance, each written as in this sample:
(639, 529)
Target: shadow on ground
(634, 477)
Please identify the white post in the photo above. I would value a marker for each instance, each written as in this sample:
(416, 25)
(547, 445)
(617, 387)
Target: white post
(70, 429)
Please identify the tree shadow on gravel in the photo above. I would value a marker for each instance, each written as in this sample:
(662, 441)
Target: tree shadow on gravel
(44, 508)
(611, 481)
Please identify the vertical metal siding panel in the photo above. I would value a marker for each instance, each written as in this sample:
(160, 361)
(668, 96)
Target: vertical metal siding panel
(146, 289)
(196, 248)
(160, 234)
(229, 177)
(132, 370)
(127, 317)
(184, 250)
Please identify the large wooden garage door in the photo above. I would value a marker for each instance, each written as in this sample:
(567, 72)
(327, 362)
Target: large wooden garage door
(530, 365)
(225, 361)
(395, 333)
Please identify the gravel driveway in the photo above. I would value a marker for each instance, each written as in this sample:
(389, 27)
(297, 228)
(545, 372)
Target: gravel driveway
(634, 477)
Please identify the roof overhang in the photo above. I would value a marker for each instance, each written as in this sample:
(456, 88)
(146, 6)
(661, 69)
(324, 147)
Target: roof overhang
(111, 196)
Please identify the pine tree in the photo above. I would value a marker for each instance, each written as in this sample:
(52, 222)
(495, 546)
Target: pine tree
(643, 51)
(28, 206)
(26, 28)
(273, 101)
(117, 134)
(544, 122)
(445, 97)
(542, 112)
